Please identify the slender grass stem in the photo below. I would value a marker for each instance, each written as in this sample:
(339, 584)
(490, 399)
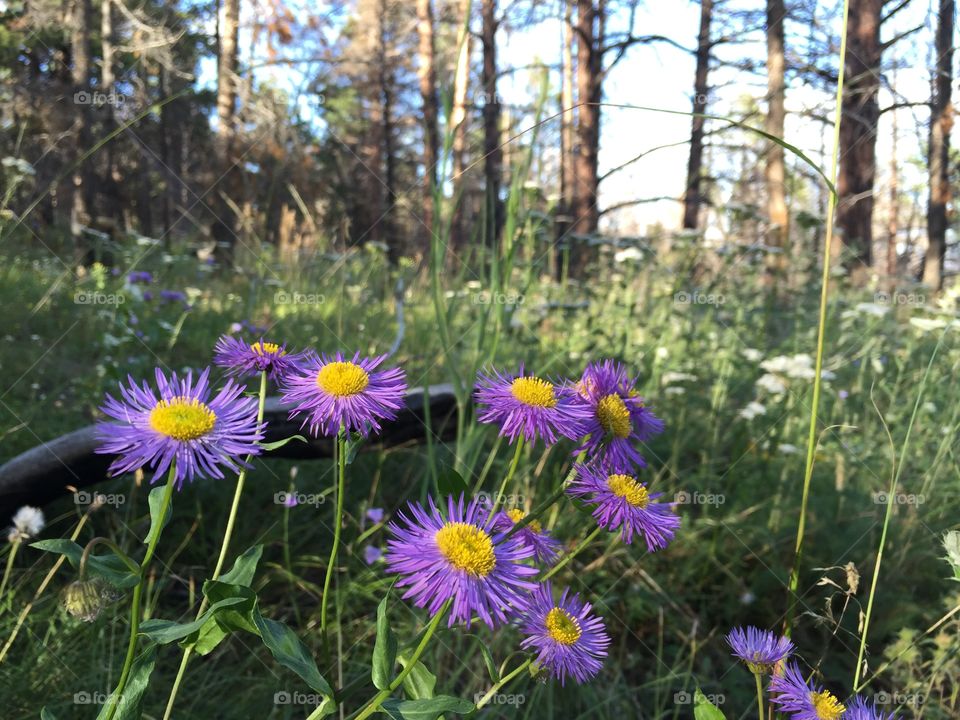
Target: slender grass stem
(508, 477)
(487, 696)
(374, 704)
(572, 554)
(221, 558)
(117, 694)
(821, 330)
(40, 590)
(891, 495)
(6, 573)
(337, 522)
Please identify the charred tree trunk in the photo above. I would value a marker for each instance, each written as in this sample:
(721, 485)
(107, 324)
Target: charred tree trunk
(775, 170)
(427, 75)
(941, 120)
(858, 135)
(586, 180)
(693, 197)
(493, 158)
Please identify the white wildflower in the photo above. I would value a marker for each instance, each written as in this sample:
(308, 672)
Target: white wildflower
(27, 523)
(752, 410)
(772, 384)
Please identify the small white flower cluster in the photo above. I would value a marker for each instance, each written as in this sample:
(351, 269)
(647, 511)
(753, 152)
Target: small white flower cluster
(780, 371)
(27, 523)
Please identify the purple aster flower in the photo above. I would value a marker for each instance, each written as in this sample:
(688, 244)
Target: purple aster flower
(332, 391)
(140, 276)
(623, 502)
(794, 696)
(570, 639)
(246, 360)
(618, 418)
(180, 422)
(760, 650)
(461, 557)
(169, 296)
(375, 515)
(371, 554)
(532, 535)
(860, 709)
(529, 406)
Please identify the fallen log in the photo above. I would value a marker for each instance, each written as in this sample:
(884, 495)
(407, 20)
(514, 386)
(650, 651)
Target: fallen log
(42, 474)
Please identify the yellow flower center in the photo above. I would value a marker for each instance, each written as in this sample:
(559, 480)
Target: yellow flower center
(182, 418)
(563, 627)
(342, 379)
(467, 548)
(629, 489)
(613, 415)
(826, 706)
(534, 392)
(516, 514)
(266, 348)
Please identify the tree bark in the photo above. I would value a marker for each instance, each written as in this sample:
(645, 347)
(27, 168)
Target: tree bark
(80, 77)
(775, 169)
(941, 120)
(387, 83)
(227, 71)
(693, 197)
(493, 158)
(858, 135)
(458, 119)
(427, 75)
(567, 120)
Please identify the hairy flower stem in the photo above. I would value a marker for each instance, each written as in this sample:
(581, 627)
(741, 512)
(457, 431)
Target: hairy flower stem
(756, 677)
(502, 682)
(571, 555)
(548, 503)
(509, 476)
(821, 330)
(221, 559)
(337, 522)
(117, 694)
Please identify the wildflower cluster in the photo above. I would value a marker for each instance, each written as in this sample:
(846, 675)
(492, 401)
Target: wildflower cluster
(765, 653)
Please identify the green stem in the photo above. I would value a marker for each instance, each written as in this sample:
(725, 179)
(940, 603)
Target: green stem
(509, 476)
(891, 495)
(503, 681)
(374, 704)
(759, 695)
(572, 554)
(821, 330)
(85, 557)
(338, 521)
(137, 592)
(224, 547)
(545, 505)
(6, 573)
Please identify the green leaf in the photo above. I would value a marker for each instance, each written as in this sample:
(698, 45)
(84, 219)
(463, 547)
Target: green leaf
(109, 567)
(128, 706)
(354, 443)
(47, 715)
(384, 649)
(269, 446)
(487, 658)
(703, 709)
(164, 632)
(157, 523)
(452, 483)
(426, 709)
(420, 683)
(289, 651)
(951, 543)
(244, 567)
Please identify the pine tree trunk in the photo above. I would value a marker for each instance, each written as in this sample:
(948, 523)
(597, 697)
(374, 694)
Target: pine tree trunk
(427, 75)
(858, 136)
(227, 69)
(941, 120)
(567, 120)
(692, 198)
(458, 119)
(80, 77)
(775, 174)
(493, 158)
